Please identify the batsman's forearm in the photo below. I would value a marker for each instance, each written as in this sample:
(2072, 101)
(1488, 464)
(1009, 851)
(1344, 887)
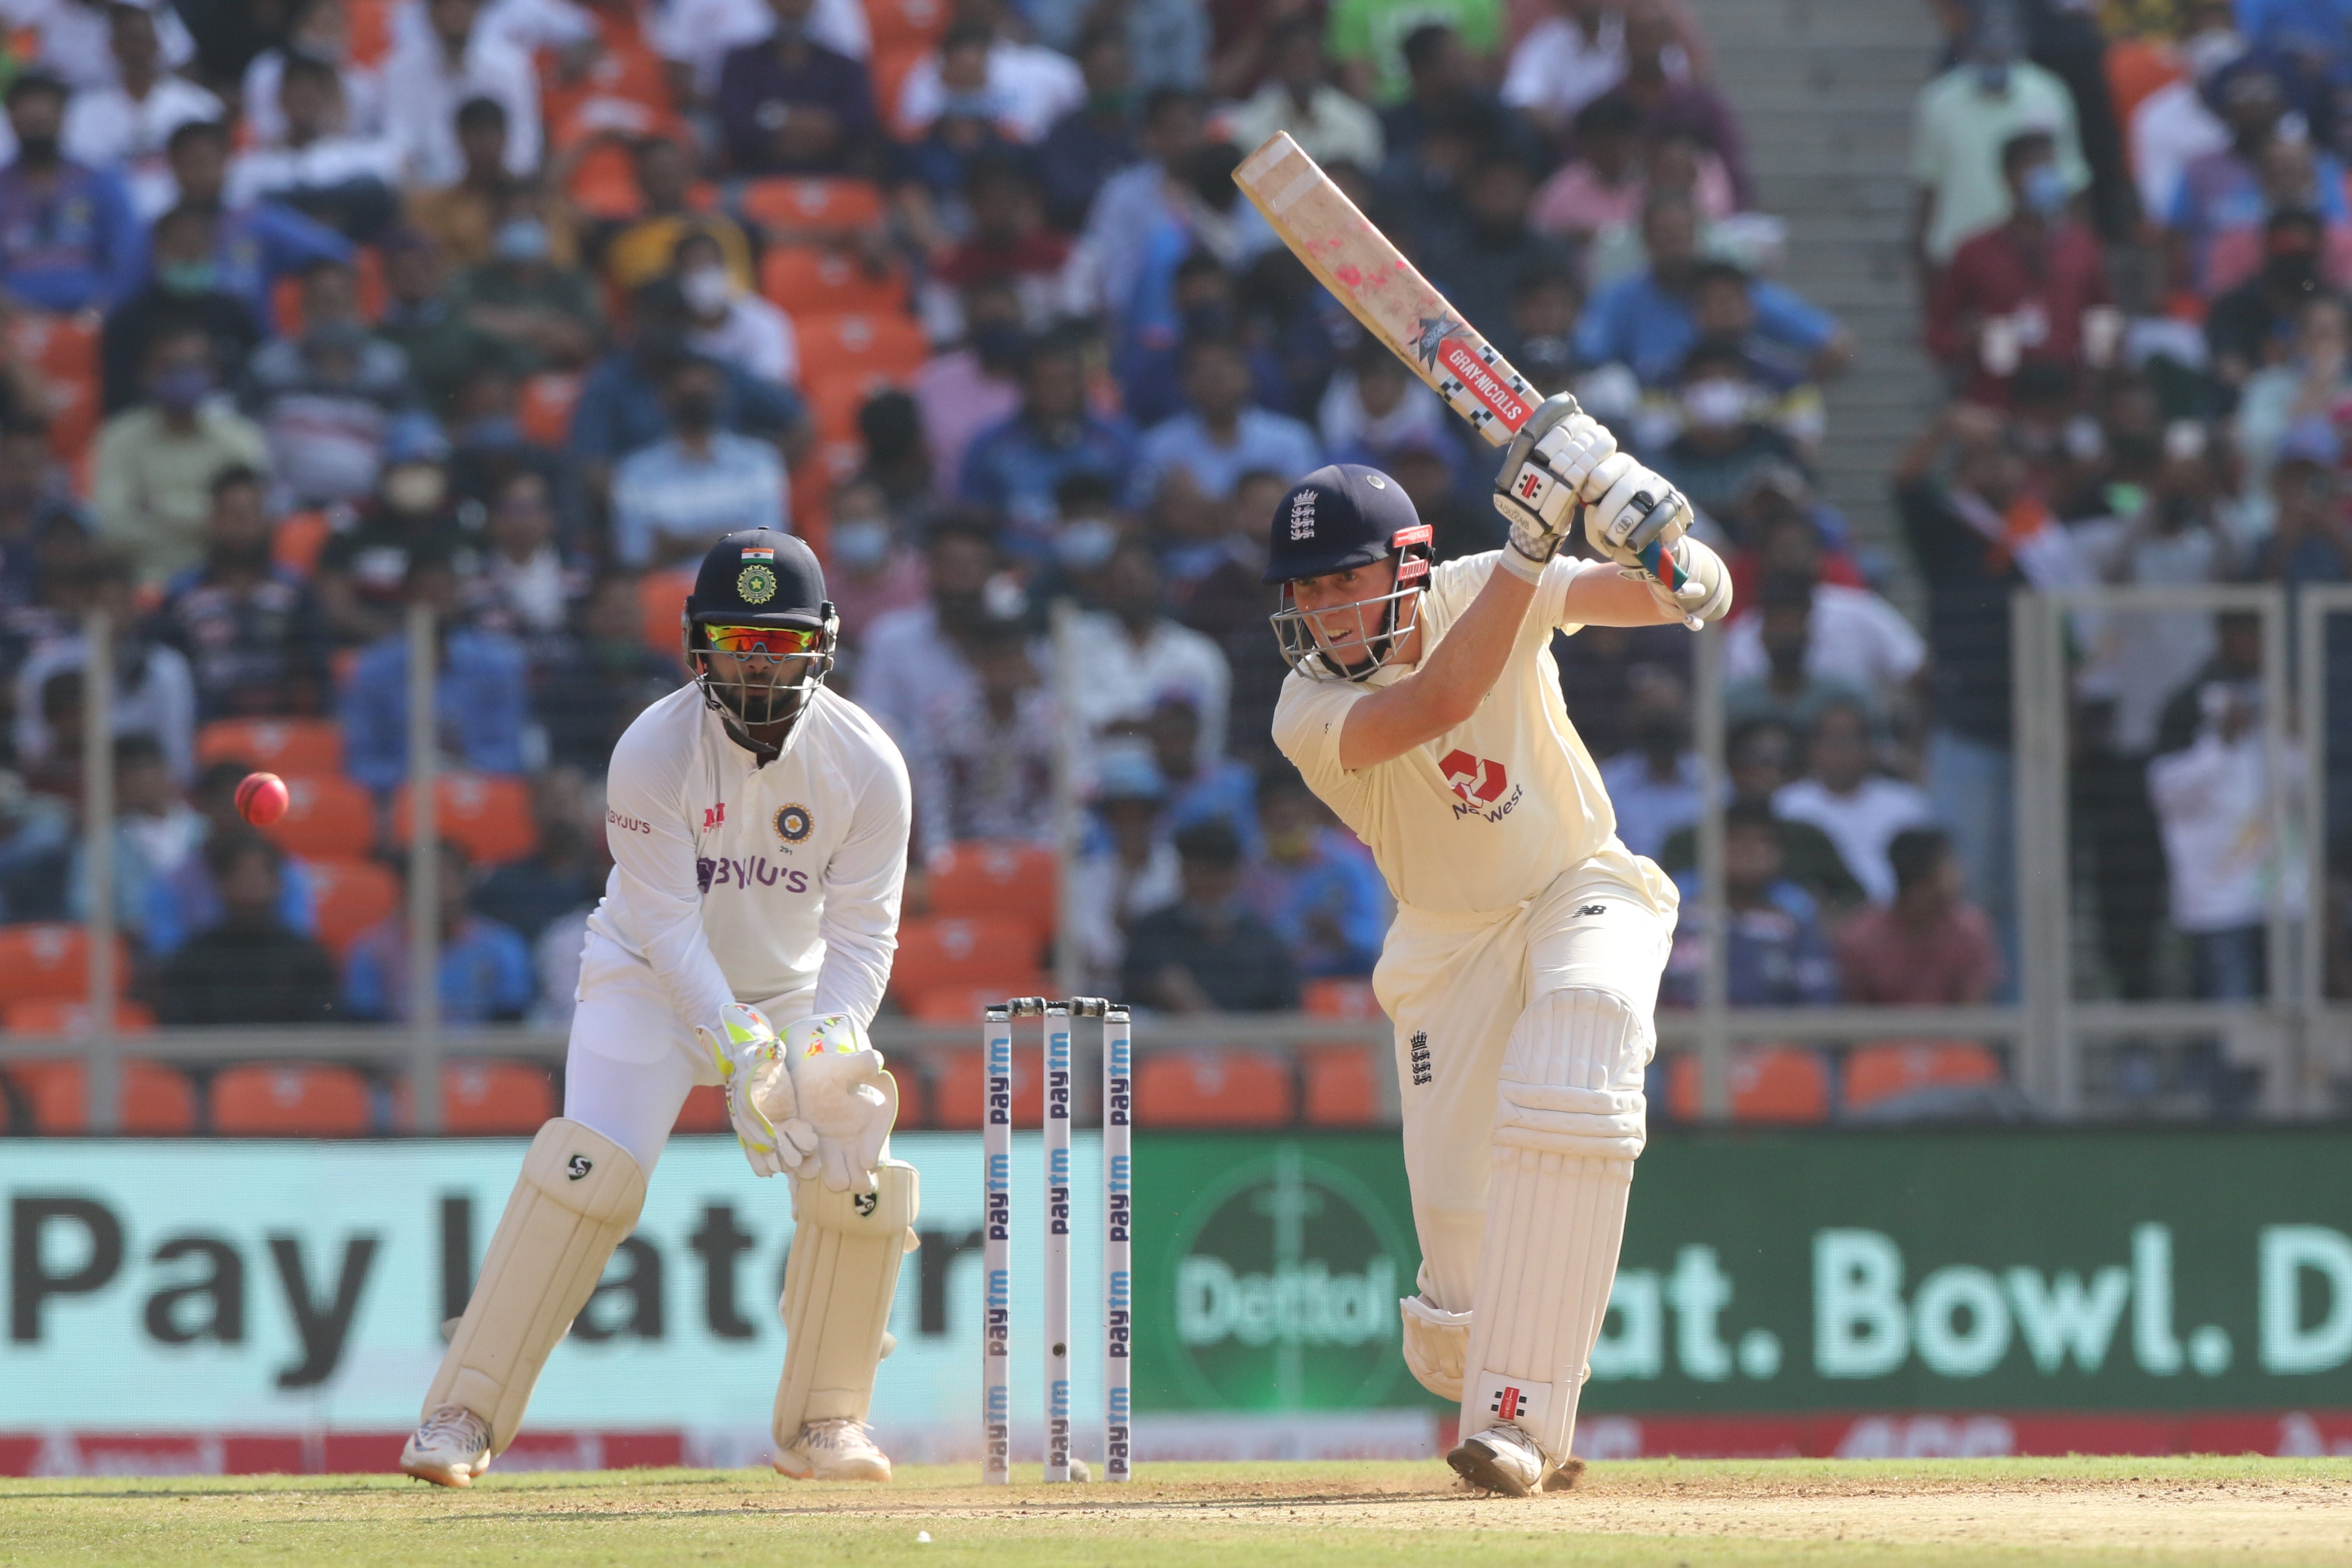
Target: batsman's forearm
(1450, 684)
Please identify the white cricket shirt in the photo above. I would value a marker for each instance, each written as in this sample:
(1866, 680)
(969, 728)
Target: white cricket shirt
(737, 882)
(1487, 815)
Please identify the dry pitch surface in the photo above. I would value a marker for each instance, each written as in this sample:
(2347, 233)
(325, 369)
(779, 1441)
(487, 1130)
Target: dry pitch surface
(1672, 1515)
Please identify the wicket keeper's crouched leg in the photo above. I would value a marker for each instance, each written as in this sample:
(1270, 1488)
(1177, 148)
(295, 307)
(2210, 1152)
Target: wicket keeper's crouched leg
(1521, 1044)
(814, 1104)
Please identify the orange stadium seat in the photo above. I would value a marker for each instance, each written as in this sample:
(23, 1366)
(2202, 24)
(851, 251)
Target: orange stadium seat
(368, 25)
(301, 537)
(1340, 998)
(64, 350)
(960, 1088)
(814, 280)
(965, 1004)
(990, 879)
(485, 1097)
(293, 747)
(1214, 1088)
(786, 202)
(833, 406)
(56, 1015)
(833, 348)
(348, 897)
(1343, 1088)
(935, 951)
(661, 600)
(290, 1100)
(888, 71)
(489, 814)
(325, 818)
(47, 961)
(1882, 1072)
(156, 1098)
(1769, 1083)
(545, 409)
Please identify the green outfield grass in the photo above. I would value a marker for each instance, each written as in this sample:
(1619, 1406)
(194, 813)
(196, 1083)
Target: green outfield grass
(1669, 1514)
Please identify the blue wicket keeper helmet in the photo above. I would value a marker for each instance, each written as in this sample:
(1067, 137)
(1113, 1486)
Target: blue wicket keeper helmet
(760, 599)
(1340, 517)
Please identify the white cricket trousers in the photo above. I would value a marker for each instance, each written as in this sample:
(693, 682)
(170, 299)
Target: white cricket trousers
(632, 1058)
(1455, 984)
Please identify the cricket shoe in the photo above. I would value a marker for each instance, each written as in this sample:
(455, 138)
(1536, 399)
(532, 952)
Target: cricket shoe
(1501, 1459)
(450, 1449)
(836, 1450)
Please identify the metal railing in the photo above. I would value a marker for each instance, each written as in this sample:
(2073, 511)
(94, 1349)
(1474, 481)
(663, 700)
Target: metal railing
(2299, 1032)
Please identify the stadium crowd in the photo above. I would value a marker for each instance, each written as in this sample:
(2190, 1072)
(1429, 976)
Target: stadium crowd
(319, 309)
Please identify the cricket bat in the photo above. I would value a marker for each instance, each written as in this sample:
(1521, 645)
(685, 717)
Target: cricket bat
(1354, 260)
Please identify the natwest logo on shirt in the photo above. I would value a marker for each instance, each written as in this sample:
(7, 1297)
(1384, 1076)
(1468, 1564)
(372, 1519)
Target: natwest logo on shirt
(1475, 779)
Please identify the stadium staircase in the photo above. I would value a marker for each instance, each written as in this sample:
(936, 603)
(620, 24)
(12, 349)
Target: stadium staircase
(1823, 89)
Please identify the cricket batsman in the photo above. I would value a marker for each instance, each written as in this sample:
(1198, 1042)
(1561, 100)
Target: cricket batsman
(758, 824)
(1424, 706)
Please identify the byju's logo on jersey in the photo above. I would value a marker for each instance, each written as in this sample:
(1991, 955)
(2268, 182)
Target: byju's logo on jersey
(1479, 783)
(1302, 516)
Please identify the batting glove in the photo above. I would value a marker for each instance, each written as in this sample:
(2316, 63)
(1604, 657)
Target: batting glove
(759, 1098)
(1549, 465)
(1631, 514)
(847, 1098)
(1692, 583)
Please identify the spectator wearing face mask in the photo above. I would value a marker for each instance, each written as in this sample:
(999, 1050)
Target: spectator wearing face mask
(2033, 288)
(126, 126)
(325, 398)
(249, 628)
(481, 688)
(1725, 441)
(463, 215)
(156, 461)
(362, 572)
(184, 287)
(671, 208)
(1014, 466)
(913, 650)
(1963, 119)
(546, 315)
(873, 571)
(672, 501)
(728, 324)
(69, 239)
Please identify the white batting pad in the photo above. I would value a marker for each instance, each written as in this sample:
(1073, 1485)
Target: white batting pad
(1570, 1118)
(578, 1196)
(838, 1281)
(1436, 1343)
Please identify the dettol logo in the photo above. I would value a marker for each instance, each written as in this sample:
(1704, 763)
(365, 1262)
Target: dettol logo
(1287, 1287)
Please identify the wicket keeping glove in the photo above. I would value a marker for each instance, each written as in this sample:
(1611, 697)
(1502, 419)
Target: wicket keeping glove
(847, 1098)
(1549, 465)
(759, 1096)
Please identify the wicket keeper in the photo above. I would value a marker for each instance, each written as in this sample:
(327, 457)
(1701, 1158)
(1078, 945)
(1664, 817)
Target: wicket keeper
(1424, 706)
(758, 825)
